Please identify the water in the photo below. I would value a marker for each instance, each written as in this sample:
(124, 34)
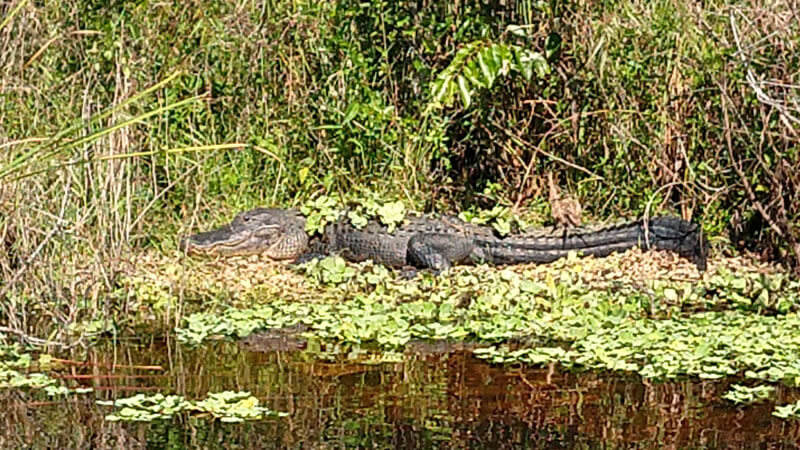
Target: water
(436, 396)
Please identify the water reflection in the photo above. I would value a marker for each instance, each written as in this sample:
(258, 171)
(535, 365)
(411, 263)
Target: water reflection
(432, 397)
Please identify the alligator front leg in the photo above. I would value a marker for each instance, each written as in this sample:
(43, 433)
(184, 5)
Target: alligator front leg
(438, 251)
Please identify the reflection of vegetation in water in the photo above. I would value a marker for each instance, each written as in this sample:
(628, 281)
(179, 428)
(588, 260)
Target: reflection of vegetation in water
(15, 366)
(791, 410)
(423, 398)
(748, 395)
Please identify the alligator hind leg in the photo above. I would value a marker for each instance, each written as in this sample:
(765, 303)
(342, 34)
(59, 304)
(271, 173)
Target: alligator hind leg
(437, 251)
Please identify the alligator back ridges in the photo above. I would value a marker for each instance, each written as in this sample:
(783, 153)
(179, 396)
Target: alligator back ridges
(436, 243)
(663, 233)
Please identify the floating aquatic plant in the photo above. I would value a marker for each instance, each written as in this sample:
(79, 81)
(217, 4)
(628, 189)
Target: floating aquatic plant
(226, 406)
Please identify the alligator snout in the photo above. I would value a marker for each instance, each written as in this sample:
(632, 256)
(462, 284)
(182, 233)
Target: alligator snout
(224, 242)
(277, 234)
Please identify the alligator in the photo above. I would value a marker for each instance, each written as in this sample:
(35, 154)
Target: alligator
(427, 242)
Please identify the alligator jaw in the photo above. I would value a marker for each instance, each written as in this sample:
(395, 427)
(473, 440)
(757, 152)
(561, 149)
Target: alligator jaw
(276, 233)
(227, 241)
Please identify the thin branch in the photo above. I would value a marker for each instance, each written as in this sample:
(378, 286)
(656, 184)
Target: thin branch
(521, 141)
(736, 167)
(755, 85)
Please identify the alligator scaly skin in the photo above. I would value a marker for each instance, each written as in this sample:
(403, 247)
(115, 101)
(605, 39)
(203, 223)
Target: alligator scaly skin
(437, 243)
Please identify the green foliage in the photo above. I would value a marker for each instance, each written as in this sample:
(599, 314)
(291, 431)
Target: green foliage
(226, 406)
(756, 291)
(330, 270)
(392, 214)
(499, 217)
(142, 408)
(325, 210)
(478, 64)
(362, 209)
(231, 406)
(744, 395)
(359, 221)
(319, 213)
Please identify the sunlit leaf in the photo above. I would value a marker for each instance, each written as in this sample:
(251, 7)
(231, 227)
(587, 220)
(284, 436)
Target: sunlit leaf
(392, 214)
(463, 89)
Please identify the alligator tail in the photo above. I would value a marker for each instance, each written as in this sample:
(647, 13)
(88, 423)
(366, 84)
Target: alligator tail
(663, 233)
(677, 235)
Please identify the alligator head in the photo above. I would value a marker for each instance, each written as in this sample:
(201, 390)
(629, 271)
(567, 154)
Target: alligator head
(277, 233)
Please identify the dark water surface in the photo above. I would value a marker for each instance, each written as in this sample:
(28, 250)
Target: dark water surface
(437, 397)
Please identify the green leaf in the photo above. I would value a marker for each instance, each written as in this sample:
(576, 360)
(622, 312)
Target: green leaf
(748, 395)
(463, 89)
(314, 224)
(302, 174)
(529, 62)
(503, 58)
(502, 225)
(440, 87)
(357, 220)
(392, 214)
(473, 75)
(489, 72)
(540, 65)
(351, 112)
(786, 411)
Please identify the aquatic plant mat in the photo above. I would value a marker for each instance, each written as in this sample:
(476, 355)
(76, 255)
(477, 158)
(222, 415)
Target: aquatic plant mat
(634, 349)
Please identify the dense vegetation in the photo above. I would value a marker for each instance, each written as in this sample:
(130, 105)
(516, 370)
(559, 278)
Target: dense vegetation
(123, 123)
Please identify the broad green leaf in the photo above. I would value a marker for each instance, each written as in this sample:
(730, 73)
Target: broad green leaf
(473, 75)
(503, 226)
(463, 89)
(540, 65)
(357, 220)
(439, 88)
(392, 214)
(671, 294)
(486, 64)
(503, 58)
